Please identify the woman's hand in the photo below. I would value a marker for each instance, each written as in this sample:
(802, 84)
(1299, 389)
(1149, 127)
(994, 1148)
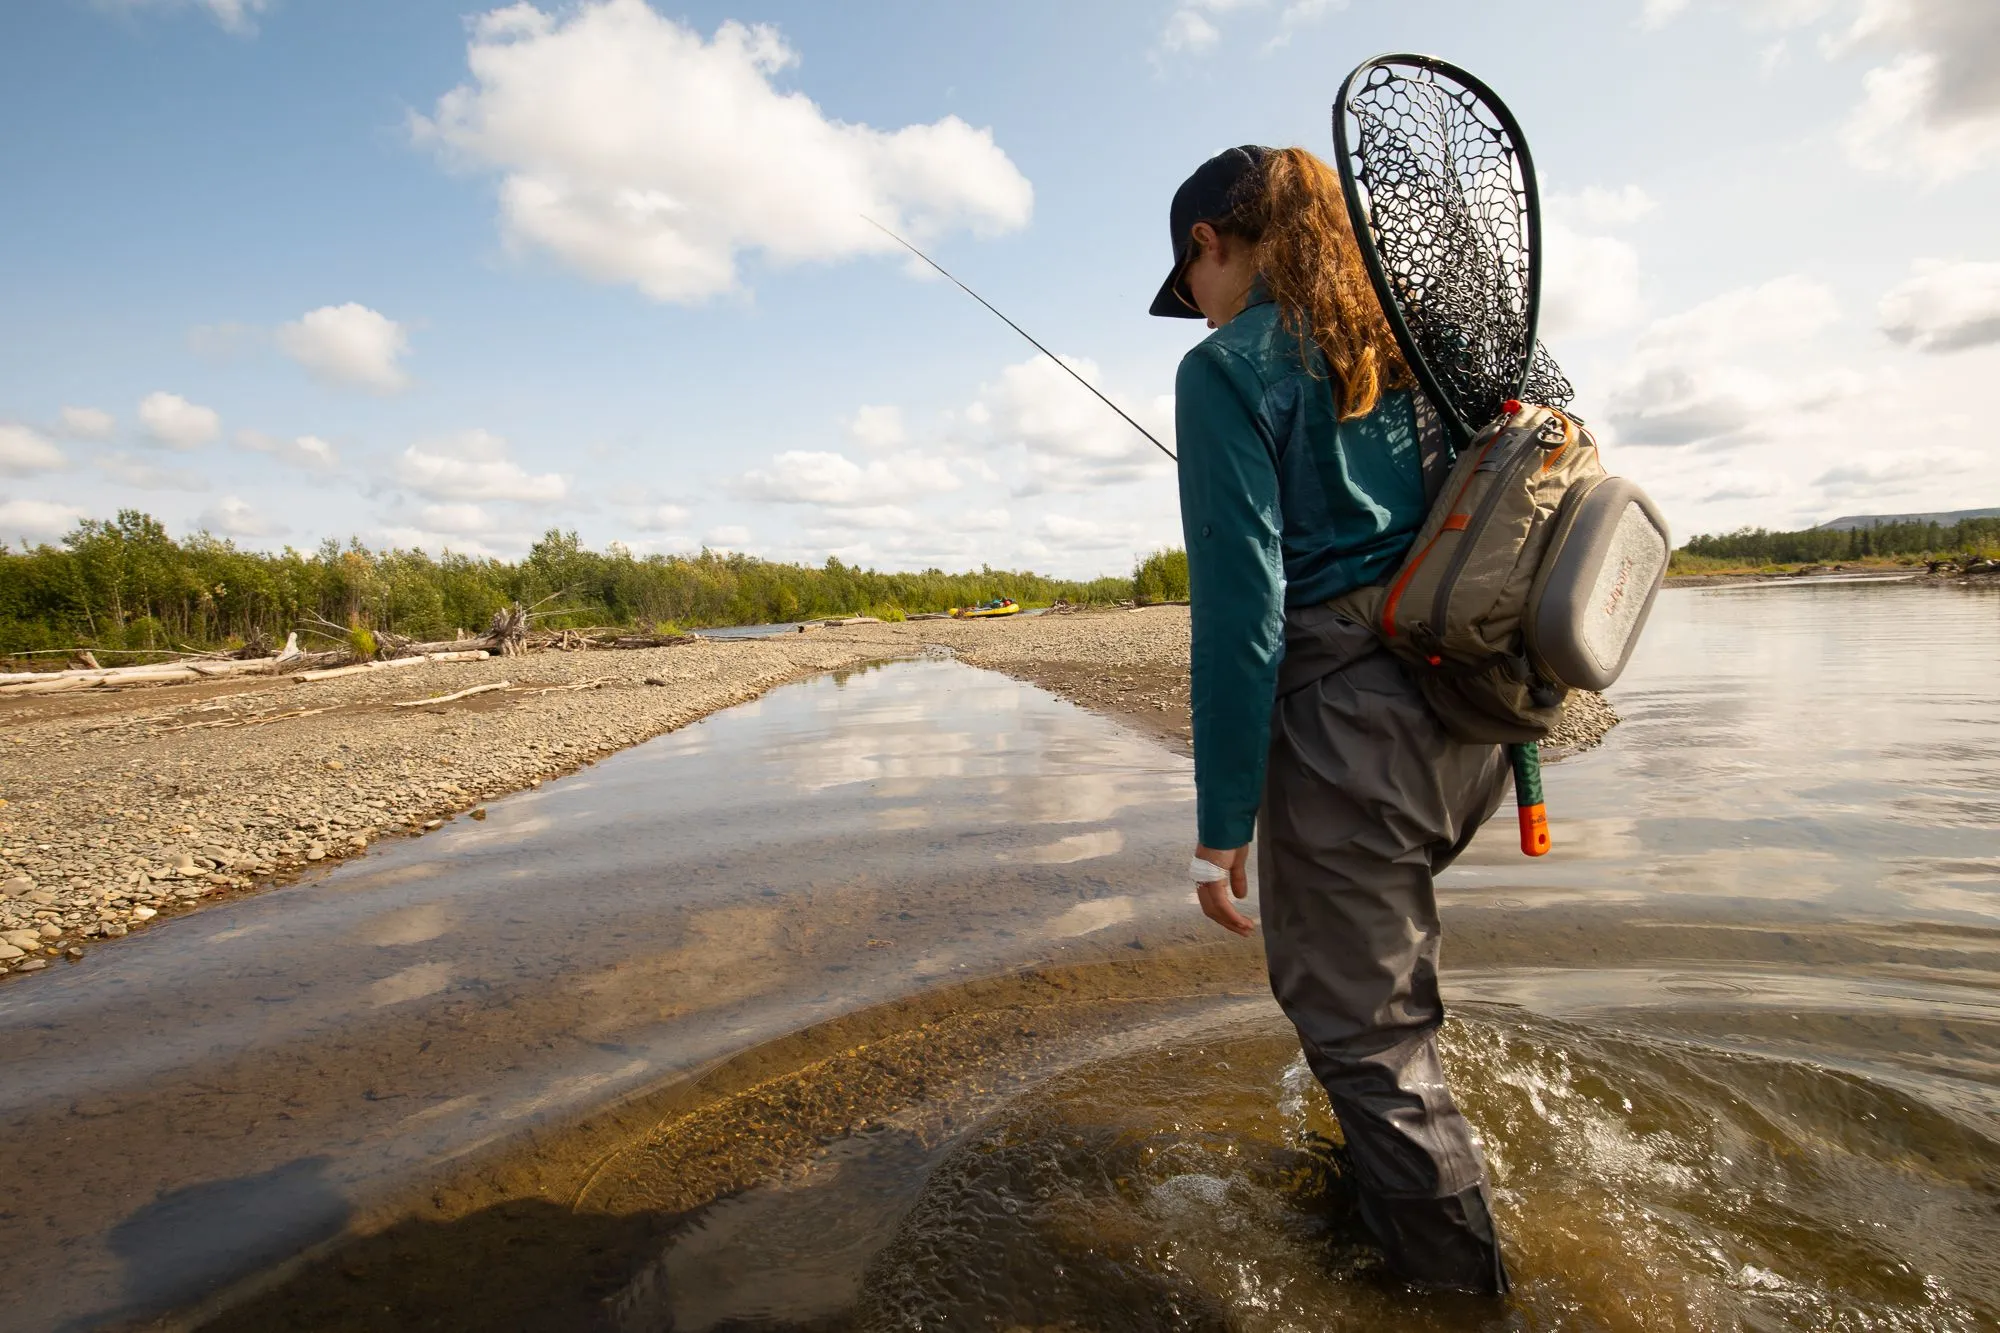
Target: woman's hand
(1215, 904)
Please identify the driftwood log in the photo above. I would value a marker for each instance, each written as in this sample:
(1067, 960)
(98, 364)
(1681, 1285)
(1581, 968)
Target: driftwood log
(160, 673)
(449, 698)
(358, 668)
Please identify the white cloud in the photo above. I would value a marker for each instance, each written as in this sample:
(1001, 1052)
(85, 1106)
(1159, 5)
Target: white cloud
(146, 475)
(1188, 32)
(348, 345)
(878, 428)
(37, 520)
(1901, 127)
(1763, 15)
(1944, 306)
(871, 517)
(1786, 308)
(1590, 284)
(1877, 477)
(406, 538)
(1301, 14)
(1030, 430)
(662, 518)
(1087, 534)
(454, 518)
(86, 423)
(1747, 484)
(473, 466)
(233, 517)
(23, 450)
(306, 451)
(1192, 27)
(730, 537)
(801, 476)
(175, 422)
(236, 15)
(640, 153)
(1072, 441)
(1933, 111)
(1601, 206)
(1691, 380)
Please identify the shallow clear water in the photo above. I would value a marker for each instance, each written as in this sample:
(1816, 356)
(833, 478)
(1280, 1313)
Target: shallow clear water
(1734, 1048)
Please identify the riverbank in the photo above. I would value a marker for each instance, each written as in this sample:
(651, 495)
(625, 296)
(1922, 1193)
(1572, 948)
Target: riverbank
(120, 808)
(1977, 571)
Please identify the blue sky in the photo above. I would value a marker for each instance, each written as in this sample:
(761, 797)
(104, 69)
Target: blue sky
(447, 275)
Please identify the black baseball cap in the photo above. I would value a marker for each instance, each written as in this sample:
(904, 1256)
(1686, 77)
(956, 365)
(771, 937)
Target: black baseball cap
(1211, 193)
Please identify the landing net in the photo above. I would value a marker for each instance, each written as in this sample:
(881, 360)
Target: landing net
(1442, 194)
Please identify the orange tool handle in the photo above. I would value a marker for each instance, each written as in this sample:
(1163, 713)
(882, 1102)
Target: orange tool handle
(1527, 764)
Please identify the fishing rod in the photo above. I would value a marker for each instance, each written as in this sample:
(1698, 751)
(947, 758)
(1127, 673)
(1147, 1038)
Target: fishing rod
(1023, 332)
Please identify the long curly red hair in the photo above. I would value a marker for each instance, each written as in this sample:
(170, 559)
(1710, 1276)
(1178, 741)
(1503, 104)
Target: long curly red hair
(1295, 217)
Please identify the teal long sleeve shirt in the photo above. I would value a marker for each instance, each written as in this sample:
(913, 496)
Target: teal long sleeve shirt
(1282, 504)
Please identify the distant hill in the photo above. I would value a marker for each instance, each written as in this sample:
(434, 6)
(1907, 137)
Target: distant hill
(1849, 522)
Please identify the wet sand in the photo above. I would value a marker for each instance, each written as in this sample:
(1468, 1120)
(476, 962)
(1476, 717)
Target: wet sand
(122, 808)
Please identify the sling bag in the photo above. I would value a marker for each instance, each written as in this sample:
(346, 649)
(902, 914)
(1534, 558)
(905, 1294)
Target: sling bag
(1532, 575)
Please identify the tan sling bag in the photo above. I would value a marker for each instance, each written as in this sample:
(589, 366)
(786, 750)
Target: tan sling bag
(1532, 575)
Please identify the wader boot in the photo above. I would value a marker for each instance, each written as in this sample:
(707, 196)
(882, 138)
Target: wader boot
(1365, 800)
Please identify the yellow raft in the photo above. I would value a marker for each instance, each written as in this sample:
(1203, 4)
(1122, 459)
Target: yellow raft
(1003, 606)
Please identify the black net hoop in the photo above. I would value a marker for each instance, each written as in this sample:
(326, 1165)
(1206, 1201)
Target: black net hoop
(1441, 192)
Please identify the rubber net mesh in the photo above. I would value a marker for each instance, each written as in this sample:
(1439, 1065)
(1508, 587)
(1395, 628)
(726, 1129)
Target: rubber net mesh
(1447, 204)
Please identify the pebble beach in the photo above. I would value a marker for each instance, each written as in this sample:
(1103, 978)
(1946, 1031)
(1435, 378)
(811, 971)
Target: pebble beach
(118, 808)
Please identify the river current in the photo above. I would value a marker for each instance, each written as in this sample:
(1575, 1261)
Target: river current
(877, 1004)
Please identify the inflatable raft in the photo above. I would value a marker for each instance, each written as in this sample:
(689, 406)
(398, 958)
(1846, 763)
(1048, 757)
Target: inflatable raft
(999, 606)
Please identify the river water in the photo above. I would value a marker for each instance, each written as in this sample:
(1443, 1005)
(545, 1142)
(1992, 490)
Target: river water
(1733, 1048)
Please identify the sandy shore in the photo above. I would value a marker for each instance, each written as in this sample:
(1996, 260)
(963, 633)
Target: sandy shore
(117, 808)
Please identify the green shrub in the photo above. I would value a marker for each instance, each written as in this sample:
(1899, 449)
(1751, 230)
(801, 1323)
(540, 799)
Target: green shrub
(1161, 577)
(361, 643)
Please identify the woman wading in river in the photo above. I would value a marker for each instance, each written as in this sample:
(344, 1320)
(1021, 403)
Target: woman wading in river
(1300, 479)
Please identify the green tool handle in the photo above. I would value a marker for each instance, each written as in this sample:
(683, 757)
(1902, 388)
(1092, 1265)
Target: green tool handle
(1527, 762)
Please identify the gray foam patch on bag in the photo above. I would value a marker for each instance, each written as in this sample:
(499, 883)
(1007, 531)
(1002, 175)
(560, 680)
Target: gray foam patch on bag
(1606, 564)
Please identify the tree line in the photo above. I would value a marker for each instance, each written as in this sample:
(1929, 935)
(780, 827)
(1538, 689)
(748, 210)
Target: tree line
(1931, 540)
(126, 584)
